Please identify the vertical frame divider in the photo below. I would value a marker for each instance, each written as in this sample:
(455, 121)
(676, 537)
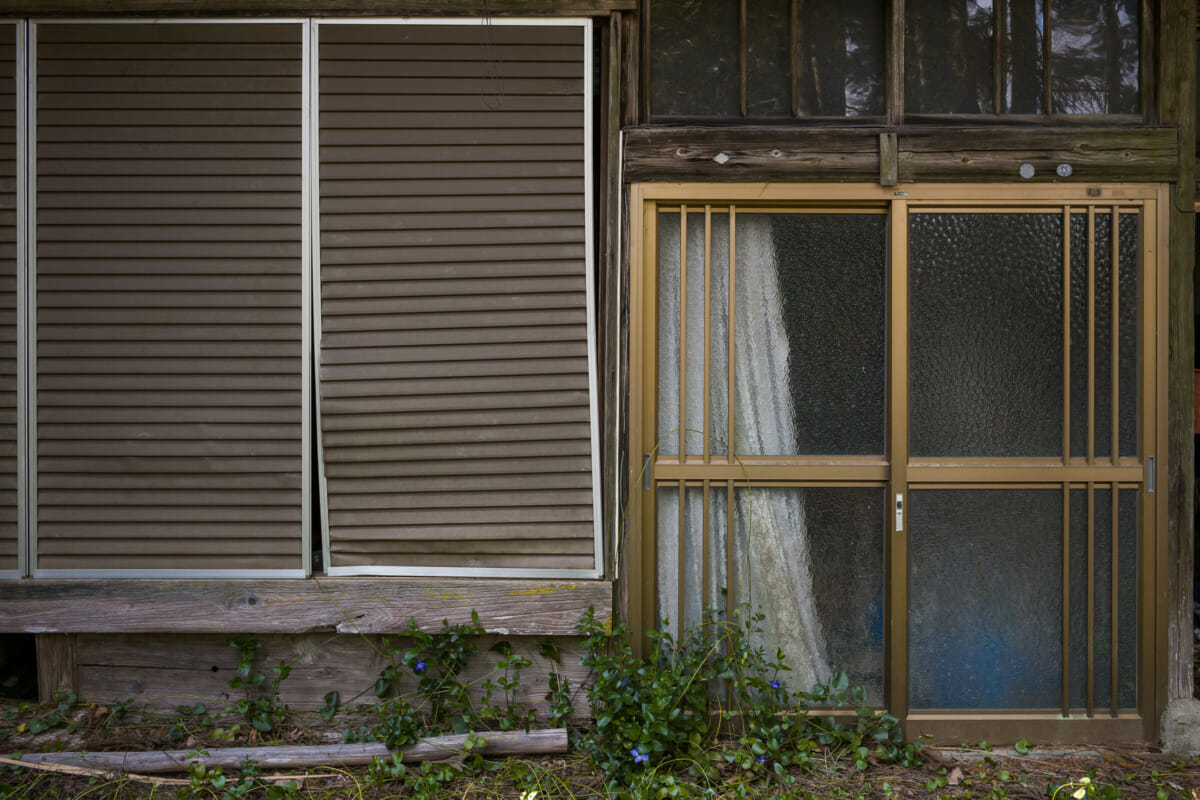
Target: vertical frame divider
(895, 64)
(1091, 337)
(1089, 678)
(707, 343)
(705, 546)
(683, 271)
(1047, 60)
(743, 57)
(1115, 576)
(681, 563)
(731, 393)
(643, 377)
(25, 332)
(997, 56)
(896, 542)
(794, 55)
(1066, 600)
(1066, 335)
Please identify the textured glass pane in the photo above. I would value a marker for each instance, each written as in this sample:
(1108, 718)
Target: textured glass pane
(768, 88)
(1127, 602)
(812, 559)
(840, 58)
(1127, 599)
(809, 351)
(985, 334)
(1128, 305)
(1022, 79)
(670, 326)
(985, 598)
(1129, 236)
(718, 332)
(672, 583)
(1094, 56)
(948, 56)
(694, 61)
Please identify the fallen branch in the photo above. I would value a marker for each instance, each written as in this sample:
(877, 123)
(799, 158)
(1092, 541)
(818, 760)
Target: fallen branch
(436, 748)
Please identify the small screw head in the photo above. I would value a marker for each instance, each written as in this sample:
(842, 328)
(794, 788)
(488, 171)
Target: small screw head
(1026, 171)
(1064, 170)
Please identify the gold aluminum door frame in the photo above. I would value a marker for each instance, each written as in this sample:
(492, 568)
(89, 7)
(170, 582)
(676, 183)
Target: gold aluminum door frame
(898, 472)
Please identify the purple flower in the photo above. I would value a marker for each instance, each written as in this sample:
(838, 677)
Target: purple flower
(638, 757)
(775, 684)
(762, 759)
(419, 666)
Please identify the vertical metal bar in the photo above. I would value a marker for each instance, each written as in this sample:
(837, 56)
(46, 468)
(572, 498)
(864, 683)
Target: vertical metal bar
(896, 541)
(743, 56)
(1066, 600)
(730, 392)
(681, 560)
(683, 248)
(1091, 334)
(1112, 662)
(997, 56)
(707, 336)
(1091, 599)
(1047, 47)
(731, 589)
(794, 54)
(1116, 333)
(1066, 335)
(705, 544)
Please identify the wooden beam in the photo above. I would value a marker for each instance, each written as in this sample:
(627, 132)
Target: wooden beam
(55, 665)
(433, 748)
(347, 605)
(924, 154)
(196, 8)
(610, 289)
(167, 670)
(888, 160)
(1176, 106)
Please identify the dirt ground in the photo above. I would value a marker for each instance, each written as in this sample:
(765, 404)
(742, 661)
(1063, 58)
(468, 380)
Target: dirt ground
(969, 772)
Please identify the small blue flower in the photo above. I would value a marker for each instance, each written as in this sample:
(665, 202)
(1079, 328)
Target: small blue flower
(638, 757)
(775, 684)
(623, 683)
(762, 759)
(419, 666)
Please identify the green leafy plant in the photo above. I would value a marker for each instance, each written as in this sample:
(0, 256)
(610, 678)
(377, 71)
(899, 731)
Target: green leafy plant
(262, 709)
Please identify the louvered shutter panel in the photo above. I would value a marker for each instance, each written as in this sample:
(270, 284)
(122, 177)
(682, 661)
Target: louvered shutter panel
(169, 296)
(453, 360)
(8, 300)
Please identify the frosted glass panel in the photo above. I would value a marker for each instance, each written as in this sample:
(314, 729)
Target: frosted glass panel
(985, 598)
(812, 558)
(809, 328)
(1129, 301)
(986, 366)
(689, 583)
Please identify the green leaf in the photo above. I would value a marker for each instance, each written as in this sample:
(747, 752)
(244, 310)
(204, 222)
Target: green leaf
(1022, 746)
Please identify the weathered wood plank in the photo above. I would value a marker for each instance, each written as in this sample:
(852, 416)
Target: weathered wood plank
(348, 605)
(497, 743)
(91, 8)
(1123, 154)
(888, 160)
(167, 671)
(924, 154)
(55, 664)
(1176, 105)
(693, 154)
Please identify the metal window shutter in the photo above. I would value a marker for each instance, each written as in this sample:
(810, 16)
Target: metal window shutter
(8, 300)
(169, 296)
(453, 358)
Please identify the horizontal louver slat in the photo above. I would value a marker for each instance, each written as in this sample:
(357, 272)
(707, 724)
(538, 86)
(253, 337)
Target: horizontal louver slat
(169, 296)
(9, 543)
(453, 369)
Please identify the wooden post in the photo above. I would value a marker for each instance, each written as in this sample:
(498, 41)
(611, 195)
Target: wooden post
(1176, 82)
(889, 168)
(55, 664)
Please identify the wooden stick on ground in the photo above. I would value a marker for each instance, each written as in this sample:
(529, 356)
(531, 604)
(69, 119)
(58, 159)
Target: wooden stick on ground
(435, 748)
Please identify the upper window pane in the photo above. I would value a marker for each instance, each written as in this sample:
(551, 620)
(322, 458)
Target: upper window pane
(1094, 56)
(802, 58)
(948, 56)
(694, 65)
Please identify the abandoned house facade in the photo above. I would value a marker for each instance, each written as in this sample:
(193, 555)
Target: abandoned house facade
(318, 316)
